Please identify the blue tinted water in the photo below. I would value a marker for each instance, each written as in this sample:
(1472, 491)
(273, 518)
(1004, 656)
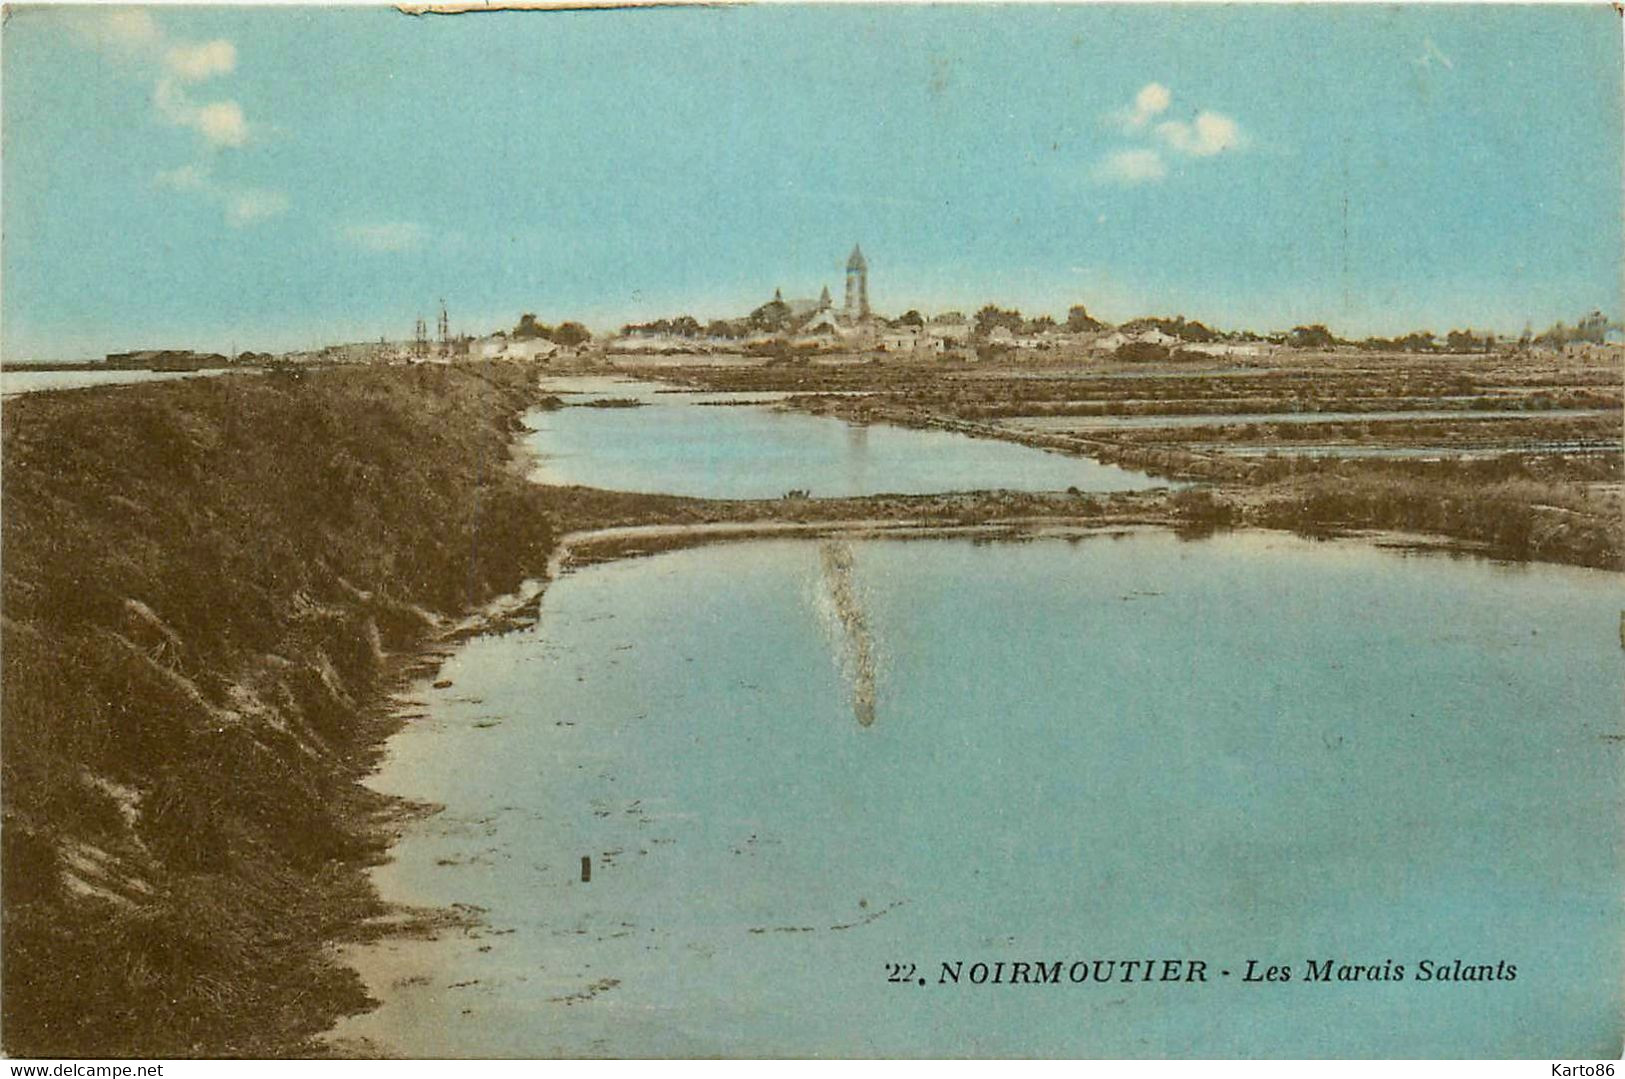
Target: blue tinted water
(675, 445)
(1251, 747)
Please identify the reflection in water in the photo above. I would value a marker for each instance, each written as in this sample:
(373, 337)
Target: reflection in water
(856, 649)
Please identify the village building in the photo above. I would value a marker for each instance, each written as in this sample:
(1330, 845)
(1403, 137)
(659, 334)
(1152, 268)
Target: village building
(166, 359)
(908, 339)
(1226, 348)
(824, 321)
(499, 347)
(1117, 339)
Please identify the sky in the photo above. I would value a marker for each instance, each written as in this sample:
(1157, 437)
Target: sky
(272, 178)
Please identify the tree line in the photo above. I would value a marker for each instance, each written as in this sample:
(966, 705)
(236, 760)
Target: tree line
(776, 316)
(567, 334)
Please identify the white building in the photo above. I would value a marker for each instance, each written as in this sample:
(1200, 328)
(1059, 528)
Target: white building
(949, 333)
(511, 348)
(1227, 348)
(1117, 339)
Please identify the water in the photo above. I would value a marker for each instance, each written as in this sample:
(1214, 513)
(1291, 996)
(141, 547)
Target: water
(1246, 747)
(676, 445)
(14, 381)
(1069, 423)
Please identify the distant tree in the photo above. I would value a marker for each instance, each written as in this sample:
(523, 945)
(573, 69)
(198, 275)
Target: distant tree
(990, 318)
(1465, 341)
(1041, 324)
(1316, 336)
(571, 334)
(719, 327)
(950, 318)
(681, 326)
(910, 317)
(529, 327)
(1177, 326)
(772, 315)
(1555, 336)
(1593, 328)
(1418, 341)
(1078, 320)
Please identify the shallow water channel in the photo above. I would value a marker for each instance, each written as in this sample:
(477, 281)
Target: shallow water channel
(1100, 746)
(689, 444)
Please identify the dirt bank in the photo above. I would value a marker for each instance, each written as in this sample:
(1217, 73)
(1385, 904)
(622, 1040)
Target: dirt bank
(206, 584)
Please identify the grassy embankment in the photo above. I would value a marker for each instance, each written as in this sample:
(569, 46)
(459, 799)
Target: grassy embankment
(204, 585)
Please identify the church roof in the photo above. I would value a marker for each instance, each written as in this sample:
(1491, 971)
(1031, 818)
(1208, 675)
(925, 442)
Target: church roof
(823, 320)
(856, 262)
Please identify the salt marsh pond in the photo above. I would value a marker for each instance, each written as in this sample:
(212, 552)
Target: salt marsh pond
(1085, 746)
(737, 446)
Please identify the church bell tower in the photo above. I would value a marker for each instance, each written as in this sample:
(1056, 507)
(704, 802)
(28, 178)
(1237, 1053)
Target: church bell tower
(857, 286)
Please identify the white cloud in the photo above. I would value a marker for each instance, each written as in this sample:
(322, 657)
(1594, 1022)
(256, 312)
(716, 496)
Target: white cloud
(1129, 167)
(201, 61)
(222, 122)
(132, 33)
(248, 205)
(1207, 134)
(174, 64)
(1153, 99)
(385, 235)
(1210, 133)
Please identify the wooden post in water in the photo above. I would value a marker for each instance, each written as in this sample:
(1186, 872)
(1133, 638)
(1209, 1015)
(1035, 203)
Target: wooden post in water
(586, 868)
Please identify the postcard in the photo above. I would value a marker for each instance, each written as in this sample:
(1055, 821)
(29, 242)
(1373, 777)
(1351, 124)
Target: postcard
(813, 531)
